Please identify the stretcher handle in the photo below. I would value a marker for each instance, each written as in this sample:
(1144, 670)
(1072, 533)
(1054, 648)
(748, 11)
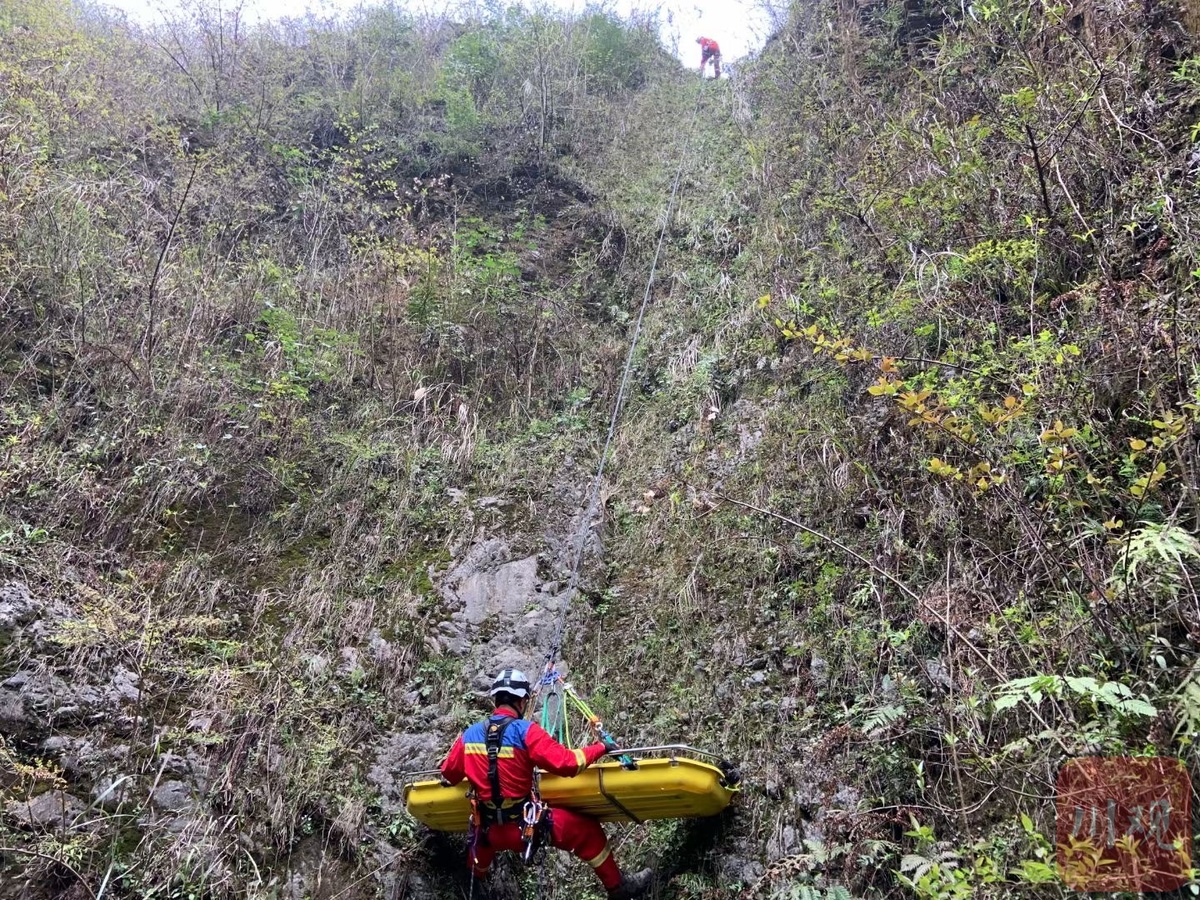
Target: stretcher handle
(659, 748)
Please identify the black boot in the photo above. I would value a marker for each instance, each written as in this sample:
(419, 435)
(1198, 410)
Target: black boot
(633, 886)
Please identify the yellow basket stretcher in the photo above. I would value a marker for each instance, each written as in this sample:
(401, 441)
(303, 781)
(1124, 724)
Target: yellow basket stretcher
(674, 787)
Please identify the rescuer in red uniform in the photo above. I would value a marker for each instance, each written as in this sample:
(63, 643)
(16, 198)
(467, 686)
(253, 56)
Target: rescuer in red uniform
(497, 757)
(709, 49)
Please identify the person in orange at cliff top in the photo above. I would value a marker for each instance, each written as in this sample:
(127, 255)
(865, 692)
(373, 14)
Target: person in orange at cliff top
(497, 757)
(709, 49)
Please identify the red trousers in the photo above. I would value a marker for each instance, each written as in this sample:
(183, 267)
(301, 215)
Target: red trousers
(570, 831)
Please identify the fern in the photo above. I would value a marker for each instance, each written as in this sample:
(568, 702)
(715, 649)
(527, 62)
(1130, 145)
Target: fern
(882, 718)
(808, 892)
(914, 866)
(1035, 688)
(1163, 550)
(1187, 704)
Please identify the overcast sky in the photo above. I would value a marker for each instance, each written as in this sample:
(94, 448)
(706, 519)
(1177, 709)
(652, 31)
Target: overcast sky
(739, 26)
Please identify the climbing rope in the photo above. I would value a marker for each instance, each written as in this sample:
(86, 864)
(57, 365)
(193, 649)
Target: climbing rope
(585, 524)
(556, 722)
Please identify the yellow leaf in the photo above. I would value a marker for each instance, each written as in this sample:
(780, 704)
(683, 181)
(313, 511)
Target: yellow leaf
(941, 467)
(763, 301)
(1114, 523)
(1137, 444)
(888, 364)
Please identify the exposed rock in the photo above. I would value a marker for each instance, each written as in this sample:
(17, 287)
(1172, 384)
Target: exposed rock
(938, 673)
(818, 668)
(174, 764)
(453, 638)
(52, 810)
(501, 614)
(536, 628)
(726, 689)
(123, 688)
(408, 884)
(785, 843)
(17, 606)
(109, 790)
(35, 700)
(485, 584)
(499, 655)
(380, 648)
(398, 754)
(567, 535)
(174, 797)
(48, 699)
(734, 868)
(315, 874)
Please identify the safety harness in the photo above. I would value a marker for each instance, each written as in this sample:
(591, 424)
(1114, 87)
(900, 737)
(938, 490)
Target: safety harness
(493, 741)
(531, 812)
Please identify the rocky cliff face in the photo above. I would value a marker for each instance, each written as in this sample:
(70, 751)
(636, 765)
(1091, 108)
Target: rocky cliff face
(164, 772)
(308, 350)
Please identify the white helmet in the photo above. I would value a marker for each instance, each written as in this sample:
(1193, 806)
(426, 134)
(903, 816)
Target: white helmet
(511, 681)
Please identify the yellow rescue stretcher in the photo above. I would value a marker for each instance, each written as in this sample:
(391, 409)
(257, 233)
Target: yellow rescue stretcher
(671, 787)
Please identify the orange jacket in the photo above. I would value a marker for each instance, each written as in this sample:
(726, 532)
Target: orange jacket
(709, 47)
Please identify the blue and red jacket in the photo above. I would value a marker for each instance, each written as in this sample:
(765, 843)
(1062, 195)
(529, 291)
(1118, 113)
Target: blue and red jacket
(524, 745)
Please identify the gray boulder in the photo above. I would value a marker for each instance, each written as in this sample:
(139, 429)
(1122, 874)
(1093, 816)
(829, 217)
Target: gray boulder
(17, 606)
(51, 811)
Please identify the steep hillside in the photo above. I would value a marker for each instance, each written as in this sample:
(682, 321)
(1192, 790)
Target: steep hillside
(311, 336)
